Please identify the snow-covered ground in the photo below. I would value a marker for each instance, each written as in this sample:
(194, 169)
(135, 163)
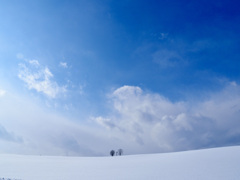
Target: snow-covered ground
(208, 164)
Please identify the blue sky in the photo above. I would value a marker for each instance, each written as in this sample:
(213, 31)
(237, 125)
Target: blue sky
(146, 76)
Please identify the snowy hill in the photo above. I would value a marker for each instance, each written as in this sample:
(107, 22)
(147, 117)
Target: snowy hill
(207, 164)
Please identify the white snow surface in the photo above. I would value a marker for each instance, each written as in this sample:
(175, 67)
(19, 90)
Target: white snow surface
(208, 164)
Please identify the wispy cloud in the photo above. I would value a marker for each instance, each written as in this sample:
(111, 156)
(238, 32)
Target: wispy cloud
(2, 92)
(28, 128)
(160, 36)
(63, 64)
(163, 36)
(39, 78)
(167, 59)
(7, 136)
(34, 63)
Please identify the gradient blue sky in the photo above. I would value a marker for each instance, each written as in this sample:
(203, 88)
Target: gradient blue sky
(83, 77)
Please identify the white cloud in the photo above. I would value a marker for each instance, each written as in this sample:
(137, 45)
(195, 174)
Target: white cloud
(2, 92)
(29, 128)
(63, 64)
(34, 62)
(39, 78)
(106, 122)
(139, 122)
(157, 124)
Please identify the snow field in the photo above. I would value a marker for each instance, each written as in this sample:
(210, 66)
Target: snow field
(207, 164)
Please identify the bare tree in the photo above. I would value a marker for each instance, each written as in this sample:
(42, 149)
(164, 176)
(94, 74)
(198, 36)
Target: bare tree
(120, 152)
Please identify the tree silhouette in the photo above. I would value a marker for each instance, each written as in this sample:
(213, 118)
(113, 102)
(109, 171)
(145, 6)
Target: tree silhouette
(112, 152)
(120, 152)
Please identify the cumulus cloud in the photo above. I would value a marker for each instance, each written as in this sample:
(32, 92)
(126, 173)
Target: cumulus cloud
(157, 124)
(39, 78)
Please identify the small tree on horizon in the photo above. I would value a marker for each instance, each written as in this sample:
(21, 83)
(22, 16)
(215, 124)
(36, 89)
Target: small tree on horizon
(120, 152)
(112, 152)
